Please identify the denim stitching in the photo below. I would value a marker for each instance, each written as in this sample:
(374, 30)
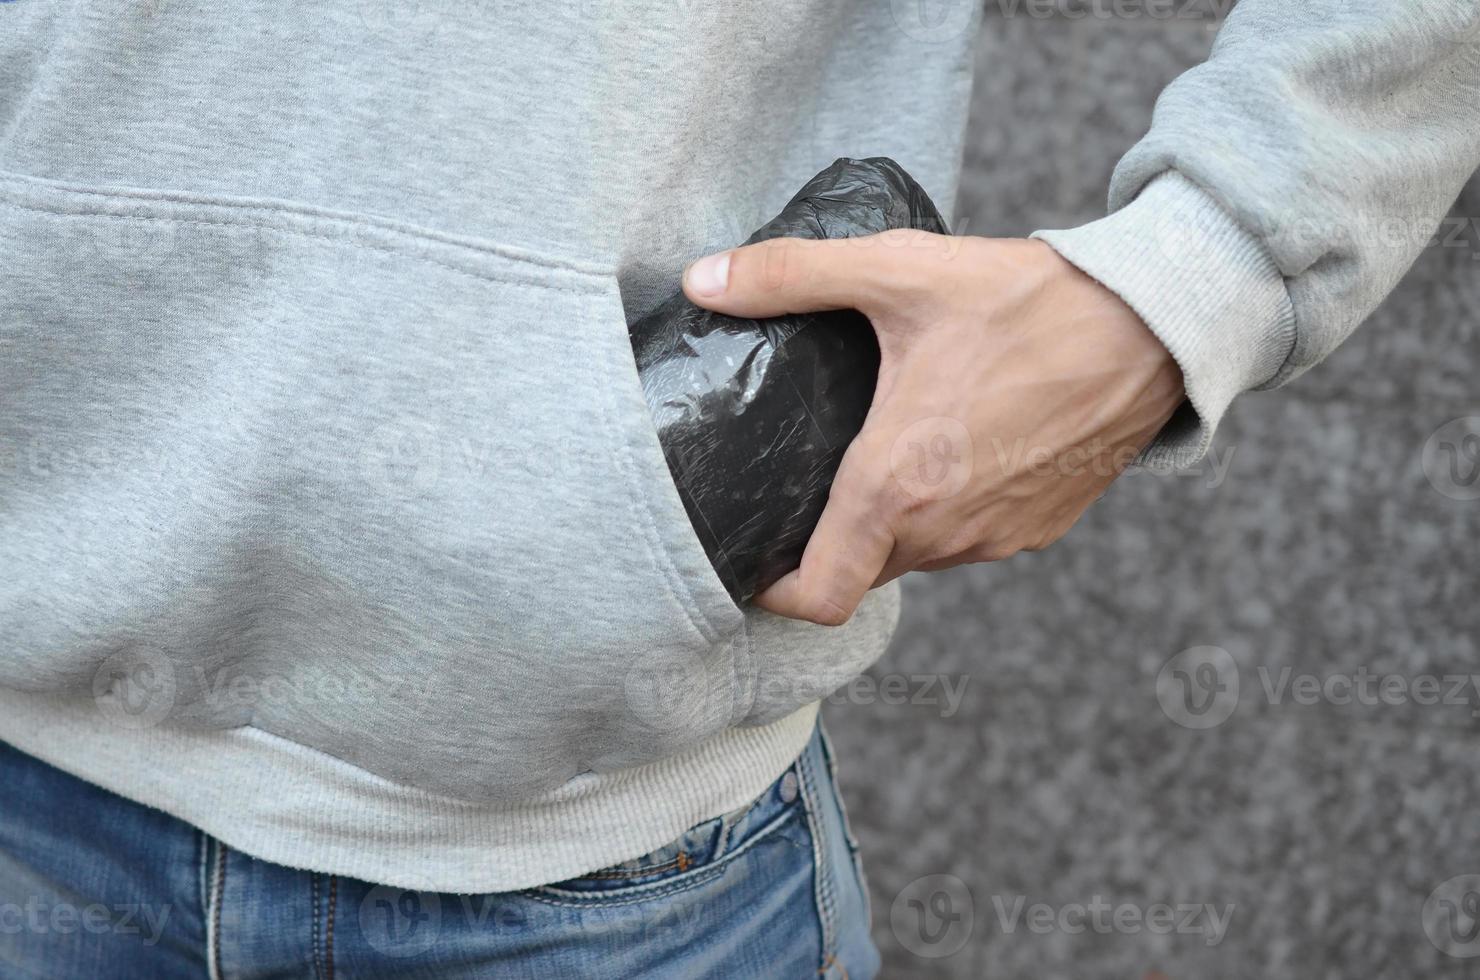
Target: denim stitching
(854, 851)
(329, 929)
(728, 824)
(215, 920)
(726, 828)
(823, 885)
(624, 896)
(204, 860)
(832, 771)
(313, 929)
(551, 895)
(681, 862)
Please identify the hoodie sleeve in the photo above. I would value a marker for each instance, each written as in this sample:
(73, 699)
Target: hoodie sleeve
(1284, 188)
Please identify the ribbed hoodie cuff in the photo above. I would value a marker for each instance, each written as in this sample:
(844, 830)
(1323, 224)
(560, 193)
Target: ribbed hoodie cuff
(1207, 288)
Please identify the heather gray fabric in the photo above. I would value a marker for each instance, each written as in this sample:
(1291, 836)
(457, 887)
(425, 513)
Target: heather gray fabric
(325, 457)
(1333, 137)
(331, 517)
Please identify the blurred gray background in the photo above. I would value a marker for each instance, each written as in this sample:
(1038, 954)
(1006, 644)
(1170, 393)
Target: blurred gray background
(1315, 542)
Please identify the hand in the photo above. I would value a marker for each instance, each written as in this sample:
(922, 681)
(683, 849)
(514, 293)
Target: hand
(1013, 390)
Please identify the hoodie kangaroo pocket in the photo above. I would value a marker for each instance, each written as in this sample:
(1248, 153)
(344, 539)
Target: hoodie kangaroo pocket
(388, 494)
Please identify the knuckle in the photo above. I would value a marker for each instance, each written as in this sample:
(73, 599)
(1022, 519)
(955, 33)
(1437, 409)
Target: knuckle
(965, 539)
(867, 475)
(759, 267)
(1053, 533)
(896, 499)
(991, 552)
(826, 611)
(780, 266)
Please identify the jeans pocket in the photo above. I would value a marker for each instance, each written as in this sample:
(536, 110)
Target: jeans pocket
(699, 855)
(832, 776)
(854, 851)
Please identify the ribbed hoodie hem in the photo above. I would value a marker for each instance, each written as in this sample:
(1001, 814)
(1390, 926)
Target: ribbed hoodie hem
(282, 802)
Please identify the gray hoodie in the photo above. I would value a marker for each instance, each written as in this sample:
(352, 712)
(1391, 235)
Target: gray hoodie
(332, 519)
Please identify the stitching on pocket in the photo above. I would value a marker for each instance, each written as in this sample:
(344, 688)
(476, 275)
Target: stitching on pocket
(643, 514)
(681, 862)
(554, 895)
(823, 885)
(657, 547)
(600, 285)
(744, 679)
(335, 240)
(624, 896)
(623, 455)
(259, 213)
(647, 517)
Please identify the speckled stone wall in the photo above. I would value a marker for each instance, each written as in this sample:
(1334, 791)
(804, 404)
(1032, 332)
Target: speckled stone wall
(1226, 728)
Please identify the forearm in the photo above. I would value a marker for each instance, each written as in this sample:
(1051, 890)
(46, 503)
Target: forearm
(1315, 154)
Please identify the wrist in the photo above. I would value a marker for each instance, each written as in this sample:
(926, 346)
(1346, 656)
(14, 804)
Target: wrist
(1207, 287)
(1119, 332)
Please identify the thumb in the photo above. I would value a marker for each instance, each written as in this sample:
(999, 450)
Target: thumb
(844, 557)
(786, 275)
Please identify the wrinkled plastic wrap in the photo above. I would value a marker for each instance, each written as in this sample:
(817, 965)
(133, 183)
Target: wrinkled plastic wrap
(754, 415)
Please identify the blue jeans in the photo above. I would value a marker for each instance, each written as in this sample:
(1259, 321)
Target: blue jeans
(93, 885)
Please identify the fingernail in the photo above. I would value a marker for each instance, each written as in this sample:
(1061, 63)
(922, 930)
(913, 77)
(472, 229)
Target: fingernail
(710, 275)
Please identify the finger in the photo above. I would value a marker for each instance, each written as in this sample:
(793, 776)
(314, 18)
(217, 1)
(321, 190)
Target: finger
(954, 561)
(789, 275)
(901, 561)
(844, 557)
(916, 556)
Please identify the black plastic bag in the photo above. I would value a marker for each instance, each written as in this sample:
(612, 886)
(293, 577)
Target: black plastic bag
(754, 415)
